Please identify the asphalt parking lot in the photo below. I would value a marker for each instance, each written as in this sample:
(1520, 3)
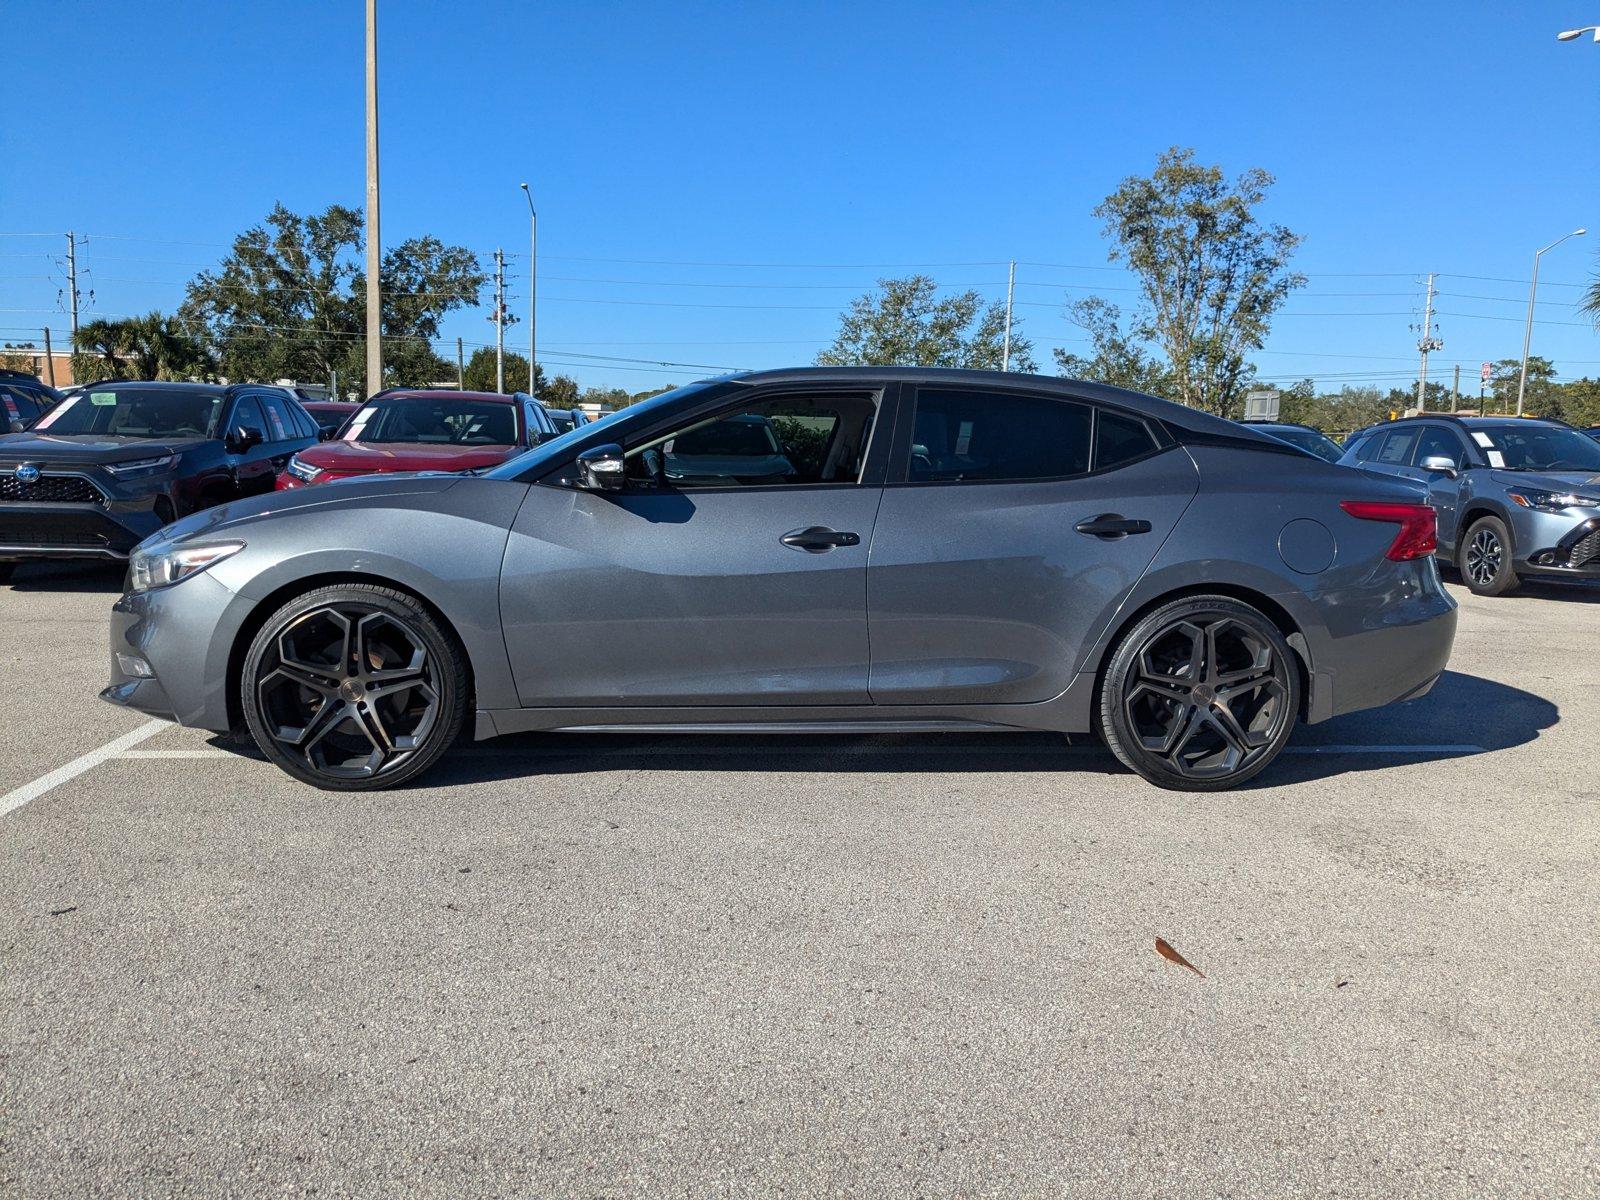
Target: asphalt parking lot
(607, 965)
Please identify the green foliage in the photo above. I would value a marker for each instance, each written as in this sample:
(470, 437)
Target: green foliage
(289, 302)
(1591, 300)
(479, 375)
(805, 444)
(560, 392)
(904, 324)
(154, 346)
(1119, 358)
(1212, 274)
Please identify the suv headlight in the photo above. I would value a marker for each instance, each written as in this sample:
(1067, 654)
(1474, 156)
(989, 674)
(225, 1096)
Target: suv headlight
(303, 471)
(1551, 501)
(164, 563)
(141, 466)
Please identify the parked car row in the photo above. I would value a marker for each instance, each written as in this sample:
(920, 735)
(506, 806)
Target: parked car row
(95, 472)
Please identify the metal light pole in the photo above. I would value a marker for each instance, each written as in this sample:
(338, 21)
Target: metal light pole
(1527, 332)
(1570, 35)
(533, 289)
(374, 242)
(1011, 286)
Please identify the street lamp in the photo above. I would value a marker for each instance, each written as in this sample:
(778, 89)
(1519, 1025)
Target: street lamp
(1527, 332)
(533, 284)
(1569, 35)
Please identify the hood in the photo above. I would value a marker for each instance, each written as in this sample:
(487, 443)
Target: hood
(90, 448)
(228, 517)
(369, 457)
(1585, 483)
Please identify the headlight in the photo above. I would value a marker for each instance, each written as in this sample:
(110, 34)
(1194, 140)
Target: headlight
(164, 564)
(1551, 501)
(141, 466)
(303, 471)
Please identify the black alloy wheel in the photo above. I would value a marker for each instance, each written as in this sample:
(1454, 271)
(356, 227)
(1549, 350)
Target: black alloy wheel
(1485, 565)
(354, 687)
(1200, 695)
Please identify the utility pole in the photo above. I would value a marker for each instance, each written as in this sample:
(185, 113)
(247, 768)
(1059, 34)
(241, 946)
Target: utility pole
(1455, 390)
(499, 319)
(374, 240)
(461, 368)
(49, 359)
(72, 281)
(1011, 286)
(533, 286)
(1426, 344)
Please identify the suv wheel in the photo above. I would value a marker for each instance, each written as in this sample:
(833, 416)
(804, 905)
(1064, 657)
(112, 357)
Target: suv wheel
(1200, 695)
(1485, 562)
(354, 687)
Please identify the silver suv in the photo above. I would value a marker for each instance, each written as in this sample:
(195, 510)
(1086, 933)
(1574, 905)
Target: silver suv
(1515, 497)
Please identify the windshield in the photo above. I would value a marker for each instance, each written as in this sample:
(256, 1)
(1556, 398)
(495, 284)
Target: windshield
(1538, 448)
(436, 423)
(136, 413)
(1308, 439)
(546, 451)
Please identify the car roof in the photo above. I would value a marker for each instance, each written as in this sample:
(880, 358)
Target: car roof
(1280, 425)
(1179, 416)
(157, 385)
(441, 394)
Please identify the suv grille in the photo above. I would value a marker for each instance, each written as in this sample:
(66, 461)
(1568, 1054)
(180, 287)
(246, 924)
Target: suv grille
(49, 489)
(1586, 550)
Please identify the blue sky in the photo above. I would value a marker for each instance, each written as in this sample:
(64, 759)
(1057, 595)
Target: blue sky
(715, 182)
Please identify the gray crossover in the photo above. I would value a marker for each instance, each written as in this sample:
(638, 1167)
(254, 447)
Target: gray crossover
(1515, 496)
(812, 550)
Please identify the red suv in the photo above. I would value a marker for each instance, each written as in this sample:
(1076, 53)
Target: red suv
(423, 430)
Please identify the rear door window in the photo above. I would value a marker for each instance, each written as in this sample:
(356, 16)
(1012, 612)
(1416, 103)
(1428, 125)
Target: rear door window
(280, 425)
(1397, 448)
(961, 436)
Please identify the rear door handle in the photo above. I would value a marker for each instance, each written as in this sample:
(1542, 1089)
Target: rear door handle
(819, 539)
(1111, 526)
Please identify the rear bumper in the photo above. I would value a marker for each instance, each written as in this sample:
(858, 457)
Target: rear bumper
(1378, 651)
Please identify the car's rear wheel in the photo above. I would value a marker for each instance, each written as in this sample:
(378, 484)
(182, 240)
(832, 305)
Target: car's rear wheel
(354, 687)
(1200, 695)
(1485, 563)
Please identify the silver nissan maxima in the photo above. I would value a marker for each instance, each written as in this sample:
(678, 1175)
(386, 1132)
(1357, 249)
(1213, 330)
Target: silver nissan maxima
(816, 550)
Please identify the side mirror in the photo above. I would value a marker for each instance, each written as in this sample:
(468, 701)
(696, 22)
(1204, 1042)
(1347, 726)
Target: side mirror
(1439, 464)
(602, 469)
(325, 433)
(245, 438)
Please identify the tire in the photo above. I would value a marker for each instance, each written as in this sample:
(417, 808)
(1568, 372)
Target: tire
(1200, 695)
(354, 687)
(1485, 558)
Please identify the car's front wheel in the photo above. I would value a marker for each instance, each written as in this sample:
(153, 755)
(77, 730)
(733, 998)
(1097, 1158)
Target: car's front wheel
(1486, 558)
(354, 687)
(1200, 695)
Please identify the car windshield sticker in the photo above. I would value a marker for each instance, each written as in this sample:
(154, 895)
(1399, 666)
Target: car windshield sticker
(49, 418)
(1483, 439)
(1496, 459)
(358, 423)
(103, 399)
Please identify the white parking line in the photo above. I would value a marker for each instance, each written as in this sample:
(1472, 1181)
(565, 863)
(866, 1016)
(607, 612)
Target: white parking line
(15, 799)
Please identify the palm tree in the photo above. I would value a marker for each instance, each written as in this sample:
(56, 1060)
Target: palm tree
(1591, 300)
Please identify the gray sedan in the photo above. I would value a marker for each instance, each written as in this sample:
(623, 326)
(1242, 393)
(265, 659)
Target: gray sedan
(938, 550)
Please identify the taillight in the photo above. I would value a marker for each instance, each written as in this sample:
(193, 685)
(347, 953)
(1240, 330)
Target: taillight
(1419, 525)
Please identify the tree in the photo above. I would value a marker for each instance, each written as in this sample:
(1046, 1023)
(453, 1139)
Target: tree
(1591, 300)
(560, 392)
(479, 375)
(1212, 275)
(905, 325)
(1118, 359)
(154, 346)
(1505, 376)
(289, 302)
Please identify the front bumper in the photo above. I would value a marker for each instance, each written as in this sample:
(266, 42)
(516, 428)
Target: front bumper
(1555, 546)
(184, 632)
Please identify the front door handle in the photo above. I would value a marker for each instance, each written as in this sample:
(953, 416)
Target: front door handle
(1111, 526)
(819, 539)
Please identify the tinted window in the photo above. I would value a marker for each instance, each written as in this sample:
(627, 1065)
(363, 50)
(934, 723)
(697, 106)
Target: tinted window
(280, 421)
(1119, 438)
(790, 440)
(135, 412)
(1438, 442)
(247, 415)
(960, 437)
(304, 426)
(17, 404)
(1397, 447)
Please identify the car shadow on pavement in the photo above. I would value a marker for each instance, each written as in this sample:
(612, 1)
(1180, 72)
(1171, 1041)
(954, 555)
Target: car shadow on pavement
(1462, 716)
(72, 575)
